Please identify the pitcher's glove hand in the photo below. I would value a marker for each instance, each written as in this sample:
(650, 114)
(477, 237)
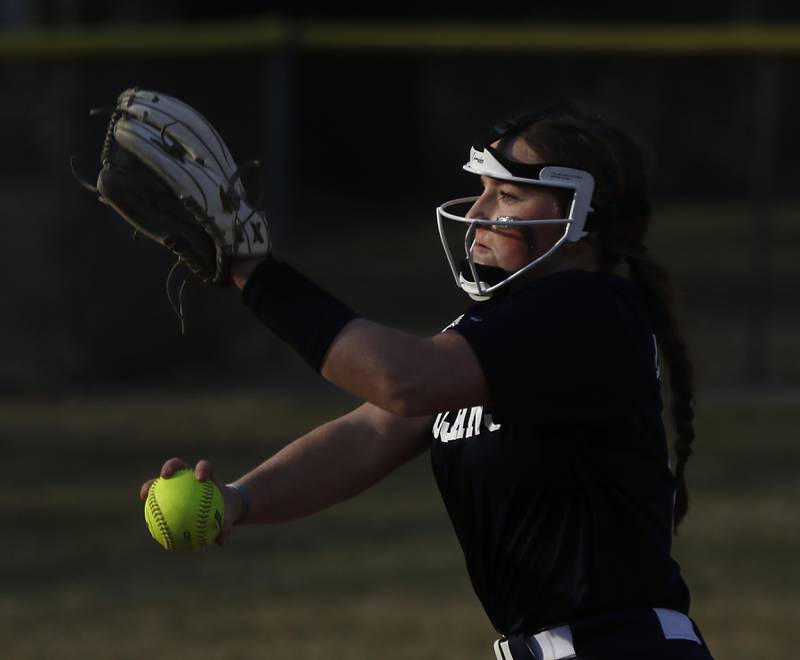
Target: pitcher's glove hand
(169, 174)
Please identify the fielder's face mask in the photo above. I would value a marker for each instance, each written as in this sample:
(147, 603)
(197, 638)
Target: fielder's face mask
(480, 281)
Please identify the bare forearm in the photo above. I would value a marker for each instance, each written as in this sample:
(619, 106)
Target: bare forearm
(329, 465)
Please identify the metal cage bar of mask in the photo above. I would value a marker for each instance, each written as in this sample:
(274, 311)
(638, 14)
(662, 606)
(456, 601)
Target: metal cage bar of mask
(506, 221)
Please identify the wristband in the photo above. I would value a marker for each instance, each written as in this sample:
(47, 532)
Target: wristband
(244, 498)
(302, 314)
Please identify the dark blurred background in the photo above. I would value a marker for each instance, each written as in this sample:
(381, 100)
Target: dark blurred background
(362, 119)
(359, 144)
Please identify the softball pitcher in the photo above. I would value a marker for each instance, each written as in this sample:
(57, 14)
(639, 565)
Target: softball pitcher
(540, 407)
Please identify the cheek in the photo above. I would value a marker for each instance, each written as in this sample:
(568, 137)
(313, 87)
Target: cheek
(545, 237)
(512, 251)
(516, 250)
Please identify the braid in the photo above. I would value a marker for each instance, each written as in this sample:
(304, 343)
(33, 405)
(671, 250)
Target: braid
(654, 280)
(620, 197)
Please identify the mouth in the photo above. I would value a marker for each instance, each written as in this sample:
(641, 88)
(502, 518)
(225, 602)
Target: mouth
(482, 255)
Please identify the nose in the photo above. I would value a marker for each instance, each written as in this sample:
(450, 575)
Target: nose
(477, 210)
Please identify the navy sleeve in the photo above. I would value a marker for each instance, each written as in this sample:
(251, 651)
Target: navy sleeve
(564, 345)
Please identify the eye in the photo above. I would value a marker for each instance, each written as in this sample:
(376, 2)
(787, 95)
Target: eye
(508, 196)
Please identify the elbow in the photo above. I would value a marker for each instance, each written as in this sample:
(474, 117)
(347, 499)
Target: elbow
(405, 407)
(406, 397)
(393, 388)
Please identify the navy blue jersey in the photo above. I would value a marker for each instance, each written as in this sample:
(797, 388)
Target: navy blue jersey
(560, 491)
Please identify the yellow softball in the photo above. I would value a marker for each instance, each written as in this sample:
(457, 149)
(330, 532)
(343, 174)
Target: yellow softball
(183, 513)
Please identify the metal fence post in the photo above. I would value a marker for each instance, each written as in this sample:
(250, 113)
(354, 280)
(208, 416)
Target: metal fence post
(276, 135)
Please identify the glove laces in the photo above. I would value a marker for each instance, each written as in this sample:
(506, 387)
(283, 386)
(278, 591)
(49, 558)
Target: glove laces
(177, 308)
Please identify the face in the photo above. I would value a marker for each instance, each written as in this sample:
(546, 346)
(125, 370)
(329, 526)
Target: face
(515, 247)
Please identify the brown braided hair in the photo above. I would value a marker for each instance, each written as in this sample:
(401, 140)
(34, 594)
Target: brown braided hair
(620, 220)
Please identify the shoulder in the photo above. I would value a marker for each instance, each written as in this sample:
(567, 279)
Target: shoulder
(585, 284)
(565, 309)
(582, 316)
(576, 295)
(563, 341)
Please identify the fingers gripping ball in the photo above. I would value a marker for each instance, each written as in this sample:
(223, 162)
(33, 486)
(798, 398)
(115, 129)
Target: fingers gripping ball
(183, 513)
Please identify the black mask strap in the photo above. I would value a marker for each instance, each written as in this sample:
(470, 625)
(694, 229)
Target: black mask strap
(521, 170)
(514, 126)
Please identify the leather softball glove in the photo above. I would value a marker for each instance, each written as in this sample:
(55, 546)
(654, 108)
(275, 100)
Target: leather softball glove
(166, 170)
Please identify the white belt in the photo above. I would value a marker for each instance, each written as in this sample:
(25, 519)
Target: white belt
(552, 644)
(556, 643)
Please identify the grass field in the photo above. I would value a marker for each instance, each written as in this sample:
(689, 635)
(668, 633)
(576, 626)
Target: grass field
(380, 576)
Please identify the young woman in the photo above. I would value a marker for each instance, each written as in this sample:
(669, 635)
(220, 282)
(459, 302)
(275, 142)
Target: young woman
(540, 406)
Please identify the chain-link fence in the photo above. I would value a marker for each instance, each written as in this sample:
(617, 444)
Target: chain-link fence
(361, 133)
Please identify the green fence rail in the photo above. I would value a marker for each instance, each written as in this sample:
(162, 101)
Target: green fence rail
(411, 37)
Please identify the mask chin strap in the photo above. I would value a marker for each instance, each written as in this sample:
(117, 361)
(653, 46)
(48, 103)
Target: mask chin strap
(488, 276)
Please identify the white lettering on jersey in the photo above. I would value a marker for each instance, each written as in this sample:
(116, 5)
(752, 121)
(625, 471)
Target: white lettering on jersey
(457, 430)
(463, 426)
(474, 423)
(440, 425)
(490, 425)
